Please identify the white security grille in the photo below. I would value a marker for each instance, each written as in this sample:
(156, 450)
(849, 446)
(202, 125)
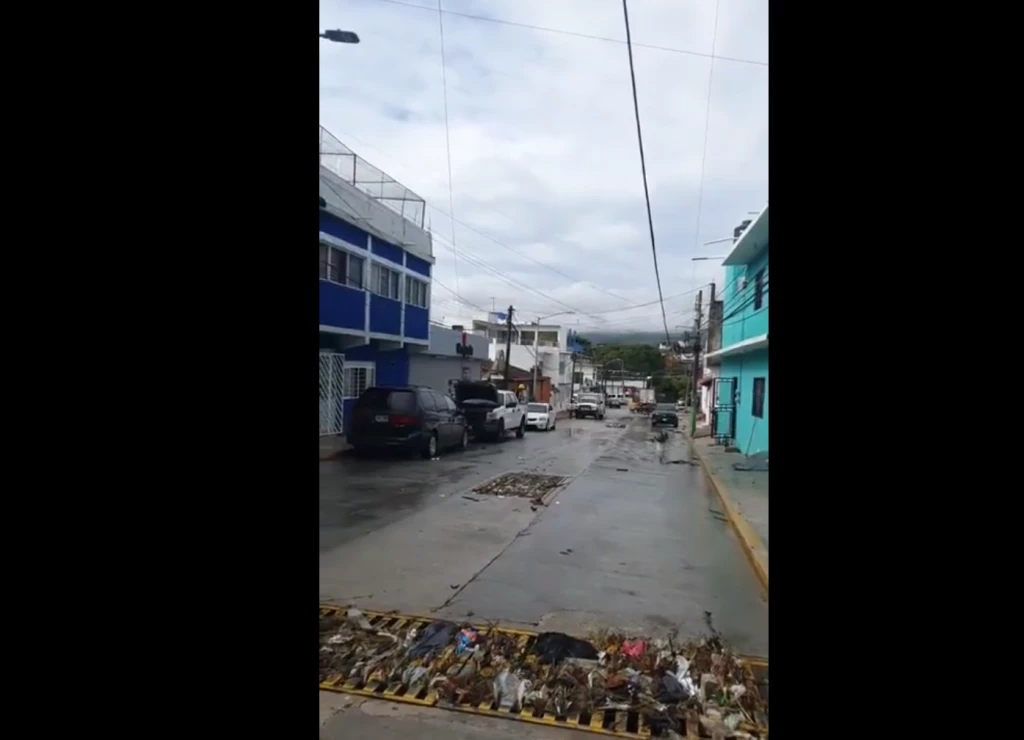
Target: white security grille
(332, 391)
(358, 377)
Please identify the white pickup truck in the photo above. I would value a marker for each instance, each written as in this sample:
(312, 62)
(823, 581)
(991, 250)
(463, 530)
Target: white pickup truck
(490, 412)
(589, 404)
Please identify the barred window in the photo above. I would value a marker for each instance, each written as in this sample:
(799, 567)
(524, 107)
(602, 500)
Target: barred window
(358, 378)
(385, 282)
(340, 266)
(415, 292)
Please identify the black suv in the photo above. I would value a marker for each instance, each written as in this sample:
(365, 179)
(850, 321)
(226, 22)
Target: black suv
(414, 418)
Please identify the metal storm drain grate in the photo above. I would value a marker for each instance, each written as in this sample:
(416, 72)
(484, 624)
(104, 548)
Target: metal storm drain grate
(537, 678)
(522, 485)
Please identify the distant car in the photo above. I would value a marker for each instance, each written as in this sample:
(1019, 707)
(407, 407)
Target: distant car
(665, 413)
(614, 402)
(590, 404)
(413, 418)
(540, 416)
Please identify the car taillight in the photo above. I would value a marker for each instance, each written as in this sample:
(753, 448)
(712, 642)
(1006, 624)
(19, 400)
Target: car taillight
(401, 420)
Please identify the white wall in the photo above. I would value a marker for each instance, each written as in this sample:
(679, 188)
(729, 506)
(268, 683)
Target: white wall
(436, 372)
(443, 342)
(372, 216)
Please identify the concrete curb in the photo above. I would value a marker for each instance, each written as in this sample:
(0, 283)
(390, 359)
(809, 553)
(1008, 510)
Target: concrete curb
(326, 455)
(753, 548)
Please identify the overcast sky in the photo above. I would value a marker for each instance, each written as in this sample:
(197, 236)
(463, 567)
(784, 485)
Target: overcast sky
(543, 143)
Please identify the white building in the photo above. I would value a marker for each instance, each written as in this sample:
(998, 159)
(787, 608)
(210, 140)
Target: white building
(447, 359)
(543, 346)
(711, 362)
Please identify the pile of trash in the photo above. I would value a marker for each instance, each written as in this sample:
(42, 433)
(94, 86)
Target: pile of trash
(696, 688)
(523, 485)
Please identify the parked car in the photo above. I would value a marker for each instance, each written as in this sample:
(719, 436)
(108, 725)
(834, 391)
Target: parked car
(590, 404)
(414, 418)
(488, 411)
(540, 416)
(665, 413)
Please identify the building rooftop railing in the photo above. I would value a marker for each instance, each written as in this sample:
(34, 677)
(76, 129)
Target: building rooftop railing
(355, 170)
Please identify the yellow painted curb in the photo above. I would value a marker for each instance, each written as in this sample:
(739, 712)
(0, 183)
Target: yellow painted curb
(753, 548)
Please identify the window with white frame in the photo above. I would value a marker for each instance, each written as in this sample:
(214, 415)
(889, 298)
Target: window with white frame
(384, 282)
(415, 292)
(358, 377)
(340, 266)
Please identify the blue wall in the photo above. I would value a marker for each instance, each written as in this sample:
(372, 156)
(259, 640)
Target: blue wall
(343, 230)
(417, 322)
(385, 315)
(751, 432)
(417, 265)
(343, 307)
(392, 368)
(387, 251)
(747, 322)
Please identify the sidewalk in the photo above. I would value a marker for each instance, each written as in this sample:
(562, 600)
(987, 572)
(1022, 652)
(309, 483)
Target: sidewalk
(744, 496)
(333, 446)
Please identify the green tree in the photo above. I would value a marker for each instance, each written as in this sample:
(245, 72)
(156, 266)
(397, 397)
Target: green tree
(671, 388)
(639, 359)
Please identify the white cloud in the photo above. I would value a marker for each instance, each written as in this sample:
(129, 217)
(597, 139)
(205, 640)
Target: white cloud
(543, 142)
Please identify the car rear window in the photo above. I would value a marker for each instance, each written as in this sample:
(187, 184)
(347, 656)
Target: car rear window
(537, 408)
(401, 402)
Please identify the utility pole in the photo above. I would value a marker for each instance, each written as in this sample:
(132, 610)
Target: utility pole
(572, 378)
(696, 363)
(508, 346)
(536, 359)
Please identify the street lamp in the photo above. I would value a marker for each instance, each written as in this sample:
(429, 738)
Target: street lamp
(341, 37)
(705, 259)
(536, 334)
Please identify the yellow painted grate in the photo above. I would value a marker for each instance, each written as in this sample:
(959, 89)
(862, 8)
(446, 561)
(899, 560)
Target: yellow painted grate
(618, 723)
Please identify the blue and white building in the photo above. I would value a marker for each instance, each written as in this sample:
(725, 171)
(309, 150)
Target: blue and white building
(740, 403)
(376, 259)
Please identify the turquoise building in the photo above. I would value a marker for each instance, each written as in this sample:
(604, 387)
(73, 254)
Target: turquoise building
(740, 405)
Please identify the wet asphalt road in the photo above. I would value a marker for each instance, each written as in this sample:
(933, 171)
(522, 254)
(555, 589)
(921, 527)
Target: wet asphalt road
(633, 540)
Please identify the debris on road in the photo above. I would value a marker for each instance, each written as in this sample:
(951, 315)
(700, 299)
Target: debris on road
(522, 485)
(470, 498)
(611, 681)
(615, 425)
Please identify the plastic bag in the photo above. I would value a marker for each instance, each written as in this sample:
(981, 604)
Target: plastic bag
(357, 618)
(507, 689)
(634, 648)
(435, 637)
(554, 647)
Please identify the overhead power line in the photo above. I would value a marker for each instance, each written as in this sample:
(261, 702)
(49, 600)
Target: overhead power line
(579, 34)
(497, 241)
(707, 128)
(448, 143)
(643, 169)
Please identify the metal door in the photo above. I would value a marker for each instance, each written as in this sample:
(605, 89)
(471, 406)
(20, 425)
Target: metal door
(332, 392)
(723, 410)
